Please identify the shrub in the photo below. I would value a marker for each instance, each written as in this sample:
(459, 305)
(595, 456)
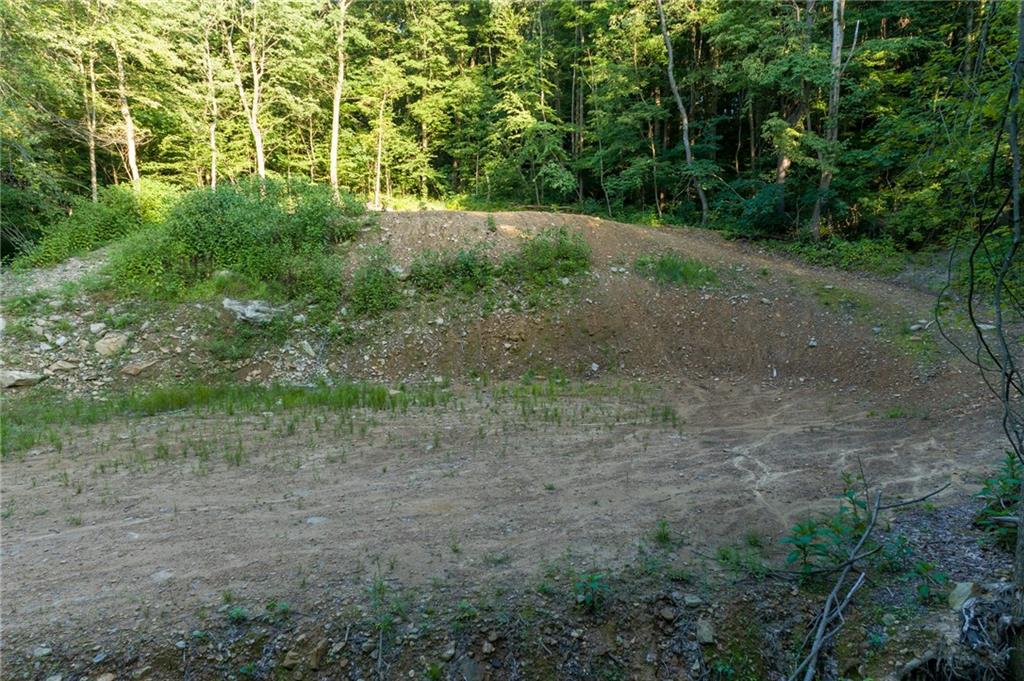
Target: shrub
(266, 233)
(149, 263)
(87, 226)
(872, 255)
(671, 268)
(1001, 494)
(118, 212)
(591, 590)
(374, 286)
(550, 255)
(466, 270)
(427, 272)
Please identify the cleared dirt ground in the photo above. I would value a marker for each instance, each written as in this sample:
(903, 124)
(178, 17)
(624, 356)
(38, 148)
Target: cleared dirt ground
(713, 410)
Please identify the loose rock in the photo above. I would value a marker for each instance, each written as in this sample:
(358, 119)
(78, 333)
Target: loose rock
(111, 344)
(15, 378)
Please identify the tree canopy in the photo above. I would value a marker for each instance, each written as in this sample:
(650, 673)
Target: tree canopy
(820, 116)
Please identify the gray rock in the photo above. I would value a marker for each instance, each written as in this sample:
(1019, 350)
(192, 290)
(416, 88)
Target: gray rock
(16, 378)
(668, 614)
(111, 344)
(960, 593)
(55, 677)
(42, 651)
(448, 653)
(470, 669)
(705, 632)
(692, 601)
(136, 368)
(97, 328)
(291, 660)
(812, 343)
(252, 311)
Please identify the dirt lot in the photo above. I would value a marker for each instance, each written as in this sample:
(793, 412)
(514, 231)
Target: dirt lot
(729, 413)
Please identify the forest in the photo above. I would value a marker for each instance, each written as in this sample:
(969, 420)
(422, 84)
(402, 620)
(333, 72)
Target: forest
(785, 119)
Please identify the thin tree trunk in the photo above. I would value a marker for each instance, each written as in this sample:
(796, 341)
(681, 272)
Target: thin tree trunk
(250, 108)
(783, 163)
(753, 135)
(682, 114)
(1013, 130)
(126, 114)
(211, 88)
(89, 96)
(827, 157)
(380, 154)
(339, 87)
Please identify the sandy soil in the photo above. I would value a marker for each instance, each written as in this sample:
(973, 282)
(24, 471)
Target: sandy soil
(776, 389)
(105, 534)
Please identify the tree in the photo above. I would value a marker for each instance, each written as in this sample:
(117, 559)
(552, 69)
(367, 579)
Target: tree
(256, 29)
(827, 156)
(338, 17)
(682, 116)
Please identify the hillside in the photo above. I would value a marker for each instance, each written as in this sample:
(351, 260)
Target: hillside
(520, 436)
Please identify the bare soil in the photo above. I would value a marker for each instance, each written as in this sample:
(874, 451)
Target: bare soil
(729, 413)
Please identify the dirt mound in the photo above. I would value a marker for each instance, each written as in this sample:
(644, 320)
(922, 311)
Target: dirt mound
(771, 321)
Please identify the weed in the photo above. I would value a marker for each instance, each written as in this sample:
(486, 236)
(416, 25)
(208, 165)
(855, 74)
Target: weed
(236, 614)
(592, 591)
(1001, 495)
(374, 286)
(662, 533)
(672, 269)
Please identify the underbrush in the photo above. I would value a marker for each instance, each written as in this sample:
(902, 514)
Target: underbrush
(1001, 495)
(881, 256)
(549, 258)
(118, 212)
(276, 234)
(30, 421)
(671, 268)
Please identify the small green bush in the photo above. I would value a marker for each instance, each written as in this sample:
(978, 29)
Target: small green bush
(670, 268)
(269, 233)
(882, 256)
(87, 226)
(149, 263)
(374, 286)
(1001, 494)
(468, 271)
(118, 212)
(550, 255)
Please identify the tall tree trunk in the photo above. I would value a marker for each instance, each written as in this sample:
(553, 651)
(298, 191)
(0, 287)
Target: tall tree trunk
(250, 107)
(89, 97)
(380, 154)
(682, 114)
(1013, 130)
(339, 87)
(211, 93)
(827, 157)
(795, 120)
(126, 114)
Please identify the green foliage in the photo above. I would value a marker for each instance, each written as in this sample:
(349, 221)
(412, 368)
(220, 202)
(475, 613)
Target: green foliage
(1001, 495)
(592, 591)
(466, 271)
(552, 254)
(671, 268)
(262, 232)
(873, 255)
(375, 287)
(823, 542)
(236, 614)
(929, 583)
(31, 420)
(87, 226)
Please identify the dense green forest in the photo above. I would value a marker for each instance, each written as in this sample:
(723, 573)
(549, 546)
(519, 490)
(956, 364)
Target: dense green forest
(781, 119)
